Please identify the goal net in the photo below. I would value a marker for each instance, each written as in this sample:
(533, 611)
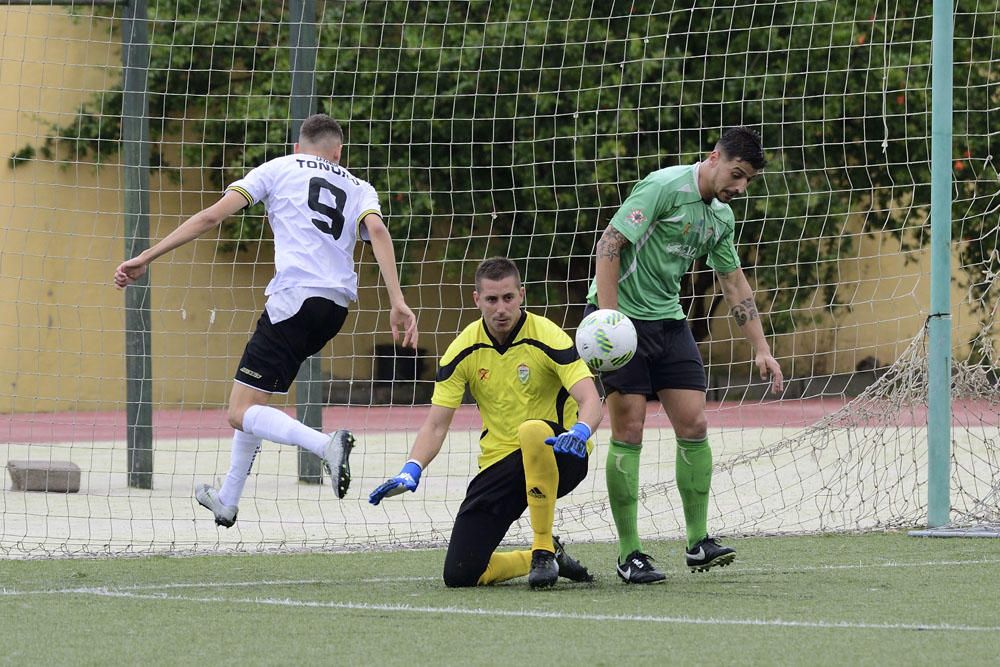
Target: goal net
(513, 128)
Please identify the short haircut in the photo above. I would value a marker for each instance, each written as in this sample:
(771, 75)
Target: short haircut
(496, 268)
(318, 127)
(743, 143)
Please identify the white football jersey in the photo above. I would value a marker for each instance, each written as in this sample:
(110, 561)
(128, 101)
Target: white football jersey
(315, 208)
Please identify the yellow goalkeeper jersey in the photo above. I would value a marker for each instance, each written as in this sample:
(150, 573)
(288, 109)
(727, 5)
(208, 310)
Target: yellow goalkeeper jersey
(526, 378)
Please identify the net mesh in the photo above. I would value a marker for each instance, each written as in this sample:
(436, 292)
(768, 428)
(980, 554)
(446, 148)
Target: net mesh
(511, 128)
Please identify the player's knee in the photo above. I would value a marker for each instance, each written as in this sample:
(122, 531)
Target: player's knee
(627, 431)
(627, 424)
(460, 582)
(692, 429)
(235, 415)
(532, 433)
(456, 576)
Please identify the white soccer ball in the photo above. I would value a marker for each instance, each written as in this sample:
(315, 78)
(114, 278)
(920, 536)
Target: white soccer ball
(606, 340)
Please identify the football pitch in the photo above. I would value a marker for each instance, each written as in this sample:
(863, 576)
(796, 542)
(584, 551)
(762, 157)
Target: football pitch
(882, 598)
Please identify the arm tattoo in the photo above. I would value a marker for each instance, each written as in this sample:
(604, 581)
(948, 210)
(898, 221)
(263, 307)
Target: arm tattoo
(744, 311)
(610, 244)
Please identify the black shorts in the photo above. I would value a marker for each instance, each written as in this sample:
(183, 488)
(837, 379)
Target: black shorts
(494, 501)
(275, 352)
(666, 357)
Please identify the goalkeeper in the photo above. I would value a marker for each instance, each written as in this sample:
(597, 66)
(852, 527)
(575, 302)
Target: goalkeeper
(671, 218)
(525, 375)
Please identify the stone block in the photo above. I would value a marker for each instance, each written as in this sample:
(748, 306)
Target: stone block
(52, 476)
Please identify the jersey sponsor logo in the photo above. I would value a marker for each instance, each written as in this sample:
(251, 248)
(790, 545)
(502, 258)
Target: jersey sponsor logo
(636, 217)
(705, 232)
(484, 374)
(253, 374)
(682, 250)
(523, 373)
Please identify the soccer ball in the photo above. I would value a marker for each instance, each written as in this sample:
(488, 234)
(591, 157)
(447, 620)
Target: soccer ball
(606, 340)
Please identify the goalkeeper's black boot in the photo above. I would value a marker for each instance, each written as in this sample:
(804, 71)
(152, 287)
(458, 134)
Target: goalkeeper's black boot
(708, 554)
(569, 567)
(335, 459)
(638, 569)
(544, 569)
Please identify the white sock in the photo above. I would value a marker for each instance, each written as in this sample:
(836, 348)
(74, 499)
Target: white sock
(274, 425)
(245, 448)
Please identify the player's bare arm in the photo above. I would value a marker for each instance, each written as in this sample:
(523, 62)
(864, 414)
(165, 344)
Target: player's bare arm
(401, 318)
(425, 448)
(608, 266)
(590, 410)
(743, 309)
(431, 435)
(131, 270)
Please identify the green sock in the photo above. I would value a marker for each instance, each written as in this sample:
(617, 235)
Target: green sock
(622, 473)
(694, 479)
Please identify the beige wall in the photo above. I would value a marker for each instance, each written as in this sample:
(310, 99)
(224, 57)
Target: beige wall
(888, 290)
(54, 346)
(61, 322)
(61, 229)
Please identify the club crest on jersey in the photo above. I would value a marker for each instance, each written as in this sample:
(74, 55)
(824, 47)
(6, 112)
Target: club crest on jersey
(523, 373)
(636, 217)
(484, 374)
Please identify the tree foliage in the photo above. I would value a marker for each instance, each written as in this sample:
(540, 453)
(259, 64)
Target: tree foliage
(518, 127)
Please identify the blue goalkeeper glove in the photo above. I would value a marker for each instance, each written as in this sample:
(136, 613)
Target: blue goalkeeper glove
(573, 441)
(407, 480)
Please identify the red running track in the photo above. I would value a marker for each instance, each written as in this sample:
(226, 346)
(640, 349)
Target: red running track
(211, 423)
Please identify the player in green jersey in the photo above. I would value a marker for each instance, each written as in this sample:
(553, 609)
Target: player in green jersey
(672, 217)
(539, 406)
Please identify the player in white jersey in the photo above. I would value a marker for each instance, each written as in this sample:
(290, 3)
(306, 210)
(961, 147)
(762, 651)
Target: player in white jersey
(317, 210)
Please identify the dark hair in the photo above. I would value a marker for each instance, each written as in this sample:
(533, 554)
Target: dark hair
(496, 268)
(318, 127)
(743, 143)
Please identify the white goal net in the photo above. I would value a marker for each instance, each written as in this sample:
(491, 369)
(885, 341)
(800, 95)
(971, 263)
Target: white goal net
(489, 128)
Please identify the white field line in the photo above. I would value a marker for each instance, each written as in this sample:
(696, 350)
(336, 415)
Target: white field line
(866, 566)
(135, 592)
(523, 613)
(269, 582)
(10, 592)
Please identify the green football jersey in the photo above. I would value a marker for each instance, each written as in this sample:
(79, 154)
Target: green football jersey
(668, 225)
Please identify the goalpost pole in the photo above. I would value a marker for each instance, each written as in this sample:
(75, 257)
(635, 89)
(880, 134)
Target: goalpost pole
(303, 40)
(135, 177)
(939, 322)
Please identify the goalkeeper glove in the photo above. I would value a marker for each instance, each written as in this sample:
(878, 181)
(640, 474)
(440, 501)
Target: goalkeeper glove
(407, 480)
(573, 441)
